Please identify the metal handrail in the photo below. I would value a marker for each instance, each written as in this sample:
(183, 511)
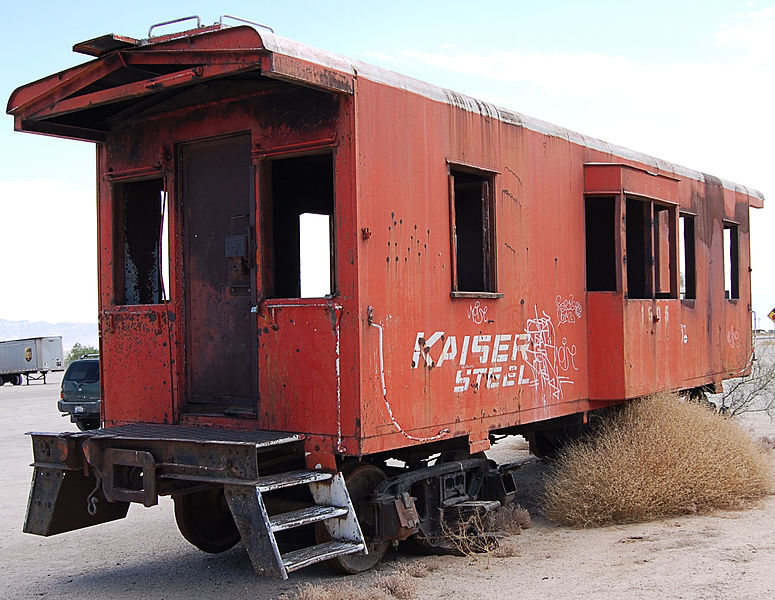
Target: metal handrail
(155, 25)
(245, 21)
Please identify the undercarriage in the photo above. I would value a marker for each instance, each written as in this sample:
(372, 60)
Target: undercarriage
(254, 487)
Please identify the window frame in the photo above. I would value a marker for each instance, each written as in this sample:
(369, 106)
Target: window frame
(119, 186)
(489, 239)
(651, 256)
(687, 260)
(267, 227)
(734, 260)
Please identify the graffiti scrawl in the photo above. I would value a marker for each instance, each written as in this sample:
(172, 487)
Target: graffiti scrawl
(568, 309)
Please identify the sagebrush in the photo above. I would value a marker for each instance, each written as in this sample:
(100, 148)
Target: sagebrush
(657, 457)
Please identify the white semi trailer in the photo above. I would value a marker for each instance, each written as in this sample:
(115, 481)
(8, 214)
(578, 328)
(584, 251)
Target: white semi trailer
(20, 359)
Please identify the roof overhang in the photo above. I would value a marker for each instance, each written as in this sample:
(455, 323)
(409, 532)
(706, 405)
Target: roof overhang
(130, 76)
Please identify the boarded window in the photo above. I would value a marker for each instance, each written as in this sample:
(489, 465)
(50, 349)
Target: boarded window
(301, 251)
(731, 263)
(473, 231)
(650, 250)
(688, 268)
(139, 242)
(600, 225)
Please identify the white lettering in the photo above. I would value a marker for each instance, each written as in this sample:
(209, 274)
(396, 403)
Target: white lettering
(500, 348)
(479, 372)
(493, 377)
(461, 381)
(422, 347)
(477, 348)
(464, 350)
(521, 348)
(449, 352)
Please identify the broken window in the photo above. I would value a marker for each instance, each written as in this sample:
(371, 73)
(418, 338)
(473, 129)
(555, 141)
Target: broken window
(473, 231)
(300, 262)
(140, 244)
(688, 268)
(650, 249)
(731, 263)
(600, 223)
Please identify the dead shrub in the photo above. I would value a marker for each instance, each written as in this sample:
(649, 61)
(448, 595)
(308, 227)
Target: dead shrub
(506, 548)
(421, 568)
(399, 584)
(658, 457)
(343, 591)
(511, 519)
(488, 534)
(470, 535)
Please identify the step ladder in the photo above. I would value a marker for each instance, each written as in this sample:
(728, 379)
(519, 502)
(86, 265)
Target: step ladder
(332, 507)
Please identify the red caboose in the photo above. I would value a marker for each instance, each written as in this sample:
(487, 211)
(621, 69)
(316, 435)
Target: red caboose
(475, 272)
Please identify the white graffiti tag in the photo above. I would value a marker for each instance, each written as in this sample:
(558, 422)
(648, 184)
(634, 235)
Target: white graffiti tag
(566, 356)
(543, 358)
(568, 309)
(477, 313)
(733, 337)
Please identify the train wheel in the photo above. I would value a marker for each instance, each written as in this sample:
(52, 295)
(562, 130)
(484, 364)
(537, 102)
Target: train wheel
(205, 520)
(87, 424)
(362, 479)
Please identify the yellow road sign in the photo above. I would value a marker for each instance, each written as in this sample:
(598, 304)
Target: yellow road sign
(771, 314)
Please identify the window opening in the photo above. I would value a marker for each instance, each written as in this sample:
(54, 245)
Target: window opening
(650, 244)
(140, 246)
(638, 249)
(473, 231)
(164, 245)
(731, 263)
(302, 221)
(314, 255)
(600, 219)
(688, 268)
(663, 256)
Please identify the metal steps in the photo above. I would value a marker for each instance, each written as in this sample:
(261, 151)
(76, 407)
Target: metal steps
(305, 516)
(290, 479)
(257, 528)
(298, 559)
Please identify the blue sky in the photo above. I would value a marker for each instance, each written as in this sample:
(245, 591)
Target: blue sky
(689, 82)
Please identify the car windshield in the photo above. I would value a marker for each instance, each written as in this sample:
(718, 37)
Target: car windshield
(83, 372)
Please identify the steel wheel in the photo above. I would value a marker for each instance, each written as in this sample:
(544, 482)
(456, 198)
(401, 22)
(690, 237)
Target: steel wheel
(205, 520)
(362, 479)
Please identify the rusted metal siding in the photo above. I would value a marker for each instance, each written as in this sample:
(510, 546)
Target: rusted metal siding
(540, 264)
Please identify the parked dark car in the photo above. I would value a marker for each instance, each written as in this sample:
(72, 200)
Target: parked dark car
(80, 393)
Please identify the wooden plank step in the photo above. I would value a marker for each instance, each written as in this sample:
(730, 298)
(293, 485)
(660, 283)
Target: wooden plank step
(290, 479)
(305, 516)
(298, 559)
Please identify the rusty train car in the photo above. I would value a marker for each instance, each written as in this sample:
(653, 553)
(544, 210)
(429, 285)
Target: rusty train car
(479, 273)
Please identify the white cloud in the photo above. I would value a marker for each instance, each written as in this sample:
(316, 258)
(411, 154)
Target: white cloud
(754, 32)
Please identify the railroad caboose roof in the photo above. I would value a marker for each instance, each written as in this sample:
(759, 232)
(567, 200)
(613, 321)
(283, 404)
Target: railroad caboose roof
(130, 76)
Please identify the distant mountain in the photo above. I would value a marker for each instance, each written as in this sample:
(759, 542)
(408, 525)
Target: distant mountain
(85, 334)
